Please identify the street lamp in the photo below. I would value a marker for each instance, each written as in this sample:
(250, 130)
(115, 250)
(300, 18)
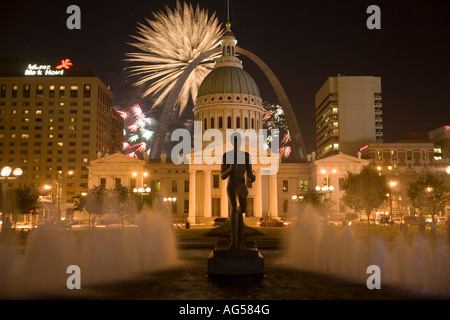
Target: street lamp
(391, 184)
(142, 191)
(59, 191)
(6, 174)
(326, 187)
(172, 201)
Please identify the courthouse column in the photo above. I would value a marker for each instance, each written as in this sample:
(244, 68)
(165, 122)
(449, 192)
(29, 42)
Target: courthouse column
(207, 195)
(192, 199)
(273, 195)
(224, 198)
(257, 209)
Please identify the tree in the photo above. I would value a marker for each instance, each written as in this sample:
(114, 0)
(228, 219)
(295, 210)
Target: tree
(318, 201)
(429, 193)
(95, 202)
(121, 197)
(27, 199)
(365, 190)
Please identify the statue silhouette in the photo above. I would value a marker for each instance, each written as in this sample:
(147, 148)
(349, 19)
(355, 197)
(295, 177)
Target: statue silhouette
(235, 165)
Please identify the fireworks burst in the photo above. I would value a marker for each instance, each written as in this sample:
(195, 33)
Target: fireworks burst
(168, 44)
(138, 134)
(274, 118)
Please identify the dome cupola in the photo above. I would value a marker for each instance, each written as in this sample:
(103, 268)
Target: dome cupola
(228, 97)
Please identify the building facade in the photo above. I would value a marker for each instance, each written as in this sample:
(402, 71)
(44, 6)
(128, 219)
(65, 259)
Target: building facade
(348, 114)
(54, 118)
(402, 163)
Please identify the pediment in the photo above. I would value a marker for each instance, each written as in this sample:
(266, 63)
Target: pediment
(116, 158)
(341, 159)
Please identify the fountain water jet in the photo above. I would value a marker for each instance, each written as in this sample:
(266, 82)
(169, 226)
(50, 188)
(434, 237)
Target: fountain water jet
(420, 266)
(103, 255)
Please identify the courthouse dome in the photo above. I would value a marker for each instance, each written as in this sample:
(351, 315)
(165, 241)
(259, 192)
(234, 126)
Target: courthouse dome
(228, 79)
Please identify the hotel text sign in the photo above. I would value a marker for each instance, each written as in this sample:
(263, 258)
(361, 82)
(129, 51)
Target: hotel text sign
(47, 70)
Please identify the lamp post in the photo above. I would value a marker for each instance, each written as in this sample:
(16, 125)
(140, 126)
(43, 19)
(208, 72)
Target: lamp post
(142, 191)
(6, 175)
(326, 187)
(59, 192)
(170, 200)
(391, 184)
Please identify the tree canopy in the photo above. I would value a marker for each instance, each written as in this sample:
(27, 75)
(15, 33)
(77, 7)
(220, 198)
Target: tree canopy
(366, 190)
(429, 193)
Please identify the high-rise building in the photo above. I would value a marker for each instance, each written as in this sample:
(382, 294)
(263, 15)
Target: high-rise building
(54, 118)
(348, 114)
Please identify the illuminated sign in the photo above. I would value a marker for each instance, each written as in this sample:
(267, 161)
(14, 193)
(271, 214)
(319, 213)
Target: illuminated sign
(364, 148)
(447, 127)
(66, 64)
(47, 70)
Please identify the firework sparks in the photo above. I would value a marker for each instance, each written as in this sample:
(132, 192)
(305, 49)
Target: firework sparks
(285, 151)
(123, 114)
(168, 44)
(140, 147)
(137, 132)
(274, 118)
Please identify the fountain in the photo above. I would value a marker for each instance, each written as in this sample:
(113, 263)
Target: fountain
(420, 265)
(103, 255)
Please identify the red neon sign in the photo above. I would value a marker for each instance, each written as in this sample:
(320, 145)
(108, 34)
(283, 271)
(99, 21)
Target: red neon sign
(364, 148)
(66, 64)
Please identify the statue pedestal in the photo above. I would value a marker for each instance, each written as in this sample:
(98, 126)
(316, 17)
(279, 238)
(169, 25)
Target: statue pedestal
(224, 261)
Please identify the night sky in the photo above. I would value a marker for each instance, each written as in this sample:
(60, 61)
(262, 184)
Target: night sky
(303, 42)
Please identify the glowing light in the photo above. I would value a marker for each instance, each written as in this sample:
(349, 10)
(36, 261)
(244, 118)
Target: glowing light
(168, 44)
(66, 64)
(6, 171)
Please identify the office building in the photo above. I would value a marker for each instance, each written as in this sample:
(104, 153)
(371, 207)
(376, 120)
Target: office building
(348, 114)
(54, 118)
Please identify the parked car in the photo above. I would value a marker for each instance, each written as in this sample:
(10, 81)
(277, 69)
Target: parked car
(219, 222)
(270, 222)
(410, 220)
